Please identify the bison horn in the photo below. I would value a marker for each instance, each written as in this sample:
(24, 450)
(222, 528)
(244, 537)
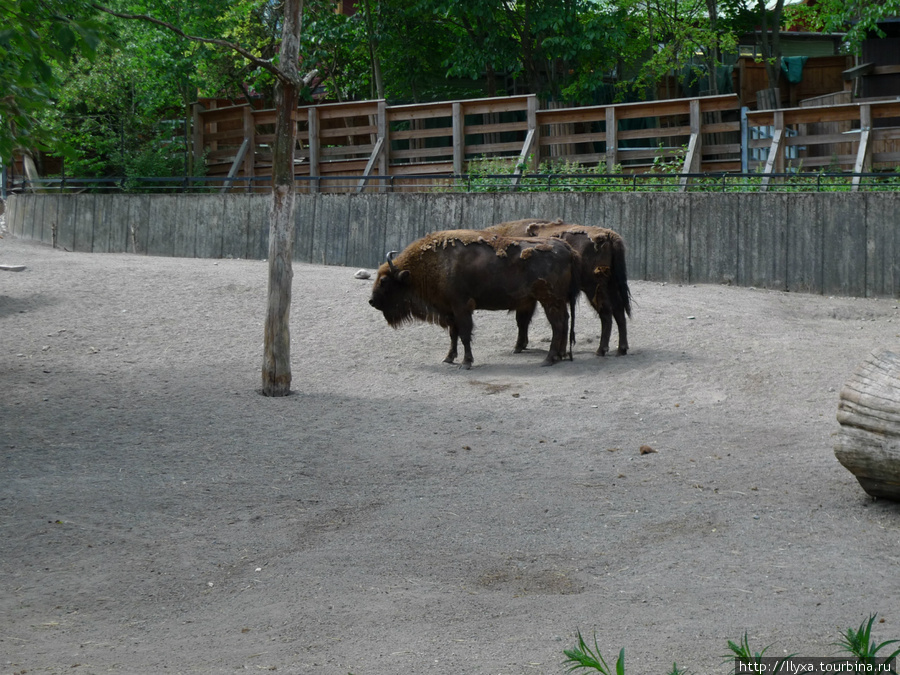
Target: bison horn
(390, 260)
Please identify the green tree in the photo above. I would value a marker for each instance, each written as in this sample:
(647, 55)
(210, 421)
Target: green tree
(856, 18)
(276, 367)
(34, 36)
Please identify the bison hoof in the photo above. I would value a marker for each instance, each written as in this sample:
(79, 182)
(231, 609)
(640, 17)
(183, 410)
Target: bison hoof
(550, 360)
(623, 351)
(466, 365)
(518, 350)
(449, 359)
(601, 351)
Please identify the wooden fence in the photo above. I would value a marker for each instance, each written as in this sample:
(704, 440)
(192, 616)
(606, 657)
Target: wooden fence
(368, 145)
(833, 243)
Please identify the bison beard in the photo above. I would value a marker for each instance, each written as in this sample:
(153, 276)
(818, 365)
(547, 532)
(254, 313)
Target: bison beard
(603, 276)
(445, 276)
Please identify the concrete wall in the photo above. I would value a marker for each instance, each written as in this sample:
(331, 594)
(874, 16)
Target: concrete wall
(831, 243)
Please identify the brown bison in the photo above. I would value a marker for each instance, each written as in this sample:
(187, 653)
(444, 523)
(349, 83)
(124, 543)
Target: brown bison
(443, 277)
(603, 276)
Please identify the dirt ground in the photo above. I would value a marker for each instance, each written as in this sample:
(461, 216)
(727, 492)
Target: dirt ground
(399, 516)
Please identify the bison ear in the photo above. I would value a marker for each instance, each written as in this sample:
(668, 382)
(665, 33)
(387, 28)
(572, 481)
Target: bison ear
(403, 276)
(532, 230)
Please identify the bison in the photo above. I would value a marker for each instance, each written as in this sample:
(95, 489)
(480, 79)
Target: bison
(443, 277)
(603, 276)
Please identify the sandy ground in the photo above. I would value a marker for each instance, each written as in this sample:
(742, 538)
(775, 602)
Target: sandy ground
(401, 516)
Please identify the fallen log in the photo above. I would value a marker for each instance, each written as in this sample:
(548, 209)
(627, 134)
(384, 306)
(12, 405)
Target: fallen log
(868, 443)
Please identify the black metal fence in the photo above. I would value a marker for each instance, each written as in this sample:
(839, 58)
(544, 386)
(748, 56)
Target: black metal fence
(475, 183)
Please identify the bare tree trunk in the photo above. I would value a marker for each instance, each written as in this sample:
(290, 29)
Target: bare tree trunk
(712, 56)
(771, 44)
(276, 368)
(373, 52)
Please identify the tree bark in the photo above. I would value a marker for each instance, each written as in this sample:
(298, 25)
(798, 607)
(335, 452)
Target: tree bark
(373, 52)
(868, 443)
(276, 368)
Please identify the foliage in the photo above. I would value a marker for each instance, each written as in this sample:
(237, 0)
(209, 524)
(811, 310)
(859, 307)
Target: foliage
(35, 35)
(742, 652)
(577, 52)
(582, 656)
(108, 118)
(859, 643)
(857, 18)
(336, 45)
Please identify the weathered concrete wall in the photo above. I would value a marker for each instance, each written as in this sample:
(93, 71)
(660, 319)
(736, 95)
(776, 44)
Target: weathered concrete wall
(832, 243)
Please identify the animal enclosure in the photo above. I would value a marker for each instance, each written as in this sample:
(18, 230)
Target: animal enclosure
(833, 243)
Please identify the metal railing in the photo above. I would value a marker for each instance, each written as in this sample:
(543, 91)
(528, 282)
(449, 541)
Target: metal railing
(474, 183)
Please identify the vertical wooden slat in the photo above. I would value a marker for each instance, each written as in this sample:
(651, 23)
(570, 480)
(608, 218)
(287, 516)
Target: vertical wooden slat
(384, 161)
(314, 148)
(612, 140)
(250, 139)
(459, 138)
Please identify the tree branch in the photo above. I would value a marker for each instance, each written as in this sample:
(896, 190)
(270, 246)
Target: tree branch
(265, 64)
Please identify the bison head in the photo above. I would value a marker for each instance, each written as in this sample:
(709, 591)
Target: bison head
(392, 294)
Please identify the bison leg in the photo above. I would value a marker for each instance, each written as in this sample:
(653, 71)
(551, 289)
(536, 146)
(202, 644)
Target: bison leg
(605, 329)
(558, 316)
(619, 314)
(454, 341)
(523, 320)
(462, 318)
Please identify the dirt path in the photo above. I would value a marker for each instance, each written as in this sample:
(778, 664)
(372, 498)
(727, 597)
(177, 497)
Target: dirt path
(400, 516)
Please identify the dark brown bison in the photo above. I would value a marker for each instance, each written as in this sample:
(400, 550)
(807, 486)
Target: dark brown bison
(443, 277)
(603, 276)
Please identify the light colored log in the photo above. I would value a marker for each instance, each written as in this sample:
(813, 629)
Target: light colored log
(868, 443)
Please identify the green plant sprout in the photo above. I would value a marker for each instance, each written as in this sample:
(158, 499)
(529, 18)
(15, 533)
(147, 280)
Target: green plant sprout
(859, 643)
(582, 656)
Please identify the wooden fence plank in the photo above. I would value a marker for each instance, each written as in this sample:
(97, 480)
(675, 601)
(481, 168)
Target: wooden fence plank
(762, 240)
(329, 208)
(138, 222)
(804, 244)
(102, 223)
(305, 215)
(184, 236)
(365, 233)
(257, 243)
(336, 228)
(84, 223)
(161, 225)
(208, 235)
(882, 245)
(235, 215)
(49, 218)
(477, 211)
(844, 240)
(713, 239)
(668, 232)
(65, 230)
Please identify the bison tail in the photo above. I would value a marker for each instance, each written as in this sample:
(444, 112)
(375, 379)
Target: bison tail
(574, 291)
(622, 295)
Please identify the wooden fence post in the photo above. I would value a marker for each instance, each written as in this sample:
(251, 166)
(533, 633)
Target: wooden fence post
(313, 149)
(775, 160)
(695, 145)
(531, 114)
(459, 138)
(612, 139)
(250, 140)
(384, 159)
(864, 153)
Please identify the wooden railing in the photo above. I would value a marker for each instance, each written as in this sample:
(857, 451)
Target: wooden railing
(359, 146)
(854, 136)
